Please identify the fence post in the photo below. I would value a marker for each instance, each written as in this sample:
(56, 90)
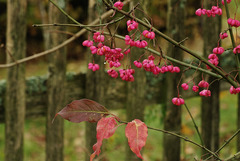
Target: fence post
(15, 88)
(55, 85)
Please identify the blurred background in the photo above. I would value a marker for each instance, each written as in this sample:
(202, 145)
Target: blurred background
(116, 98)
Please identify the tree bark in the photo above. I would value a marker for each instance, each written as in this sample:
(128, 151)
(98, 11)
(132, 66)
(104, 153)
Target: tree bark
(55, 85)
(172, 120)
(95, 81)
(210, 105)
(15, 88)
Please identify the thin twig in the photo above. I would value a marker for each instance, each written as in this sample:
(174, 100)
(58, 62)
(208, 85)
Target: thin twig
(234, 157)
(195, 125)
(74, 37)
(226, 142)
(79, 25)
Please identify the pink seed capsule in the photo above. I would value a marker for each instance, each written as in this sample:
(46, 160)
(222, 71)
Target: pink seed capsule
(185, 86)
(198, 12)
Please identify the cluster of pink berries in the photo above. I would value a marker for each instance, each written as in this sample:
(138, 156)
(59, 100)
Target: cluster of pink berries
(236, 50)
(233, 22)
(115, 55)
(202, 84)
(228, 1)
(118, 5)
(195, 88)
(112, 73)
(213, 59)
(127, 74)
(178, 101)
(223, 35)
(233, 90)
(93, 66)
(215, 10)
(148, 34)
(87, 43)
(138, 43)
(112, 56)
(98, 37)
(131, 25)
(148, 65)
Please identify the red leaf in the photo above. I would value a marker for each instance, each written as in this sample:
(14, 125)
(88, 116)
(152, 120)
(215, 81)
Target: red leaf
(83, 110)
(136, 132)
(105, 129)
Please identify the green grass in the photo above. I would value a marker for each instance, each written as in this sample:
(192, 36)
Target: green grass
(114, 148)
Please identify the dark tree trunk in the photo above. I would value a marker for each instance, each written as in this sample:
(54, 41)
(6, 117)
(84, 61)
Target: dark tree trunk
(15, 88)
(210, 105)
(172, 121)
(136, 90)
(95, 83)
(55, 84)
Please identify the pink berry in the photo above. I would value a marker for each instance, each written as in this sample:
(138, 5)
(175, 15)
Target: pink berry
(151, 57)
(137, 64)
(93, 66)
(236, 50)
(203, 84)
(118, 5)
(170, 68)
(233, 90)
(87, 43)
(127, 51)
(195, 88)
(176, 69)
(93, 49)
(185, 86)
(112, 73)
(131, 25)
(177, 101)
(228, 1)
(218, 50)
(212, 56)
(206, 93)
(198, 12)
(148, 34)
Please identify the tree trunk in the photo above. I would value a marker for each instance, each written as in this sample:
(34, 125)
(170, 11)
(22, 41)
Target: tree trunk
(172, 120)
(210, 105)
(95, 82)
(136, 90)
(55, 85)
(44, 18)
(15, 88)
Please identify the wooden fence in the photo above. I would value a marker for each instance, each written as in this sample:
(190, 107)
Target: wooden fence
(36, 98)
